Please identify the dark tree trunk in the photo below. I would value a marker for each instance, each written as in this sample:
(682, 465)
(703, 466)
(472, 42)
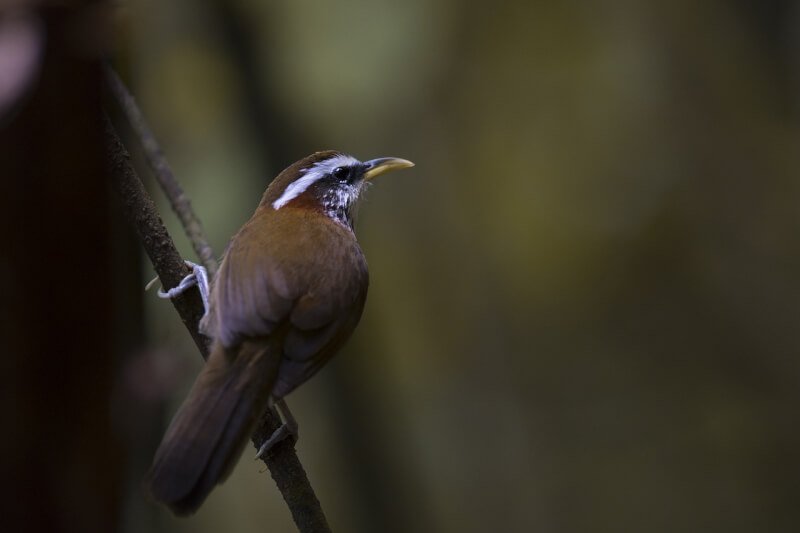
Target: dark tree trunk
(59, 463)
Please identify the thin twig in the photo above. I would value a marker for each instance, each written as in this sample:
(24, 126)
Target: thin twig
(162, 171)
(282, 460)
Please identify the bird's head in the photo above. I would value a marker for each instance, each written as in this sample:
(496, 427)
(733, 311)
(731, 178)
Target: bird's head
(330, 182)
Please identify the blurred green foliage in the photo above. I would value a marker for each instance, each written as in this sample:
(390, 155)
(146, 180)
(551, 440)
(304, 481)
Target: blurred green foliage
(585, 297)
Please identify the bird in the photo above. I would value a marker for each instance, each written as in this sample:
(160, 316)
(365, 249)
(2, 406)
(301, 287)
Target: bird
(290, 290)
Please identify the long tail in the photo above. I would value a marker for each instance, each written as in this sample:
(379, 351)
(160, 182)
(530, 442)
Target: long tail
(211, 428)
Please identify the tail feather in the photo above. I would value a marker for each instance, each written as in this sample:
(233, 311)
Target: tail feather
(206, 438)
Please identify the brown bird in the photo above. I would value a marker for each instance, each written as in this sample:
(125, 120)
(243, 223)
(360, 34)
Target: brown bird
(288, 294)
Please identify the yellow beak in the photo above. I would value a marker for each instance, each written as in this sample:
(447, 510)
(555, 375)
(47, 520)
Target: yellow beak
(376, 167)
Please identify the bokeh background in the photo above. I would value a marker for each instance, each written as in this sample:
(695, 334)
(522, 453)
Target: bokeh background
(584, 311)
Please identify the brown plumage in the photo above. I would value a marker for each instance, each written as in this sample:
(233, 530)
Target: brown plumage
(288, 294)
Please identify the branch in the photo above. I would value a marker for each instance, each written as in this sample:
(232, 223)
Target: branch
(142, 214)
(282, 460)
(158, 164)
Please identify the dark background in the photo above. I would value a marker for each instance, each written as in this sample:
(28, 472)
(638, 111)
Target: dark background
(584, 301)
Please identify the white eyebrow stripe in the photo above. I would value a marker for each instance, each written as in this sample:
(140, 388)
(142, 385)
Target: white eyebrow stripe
(311, 176)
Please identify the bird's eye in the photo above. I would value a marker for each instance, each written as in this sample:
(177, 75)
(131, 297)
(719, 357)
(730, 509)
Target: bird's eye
(341, 173)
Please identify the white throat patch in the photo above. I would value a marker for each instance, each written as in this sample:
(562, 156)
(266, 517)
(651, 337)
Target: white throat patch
(311, 176)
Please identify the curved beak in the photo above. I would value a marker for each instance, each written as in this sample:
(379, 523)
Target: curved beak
(376, 167)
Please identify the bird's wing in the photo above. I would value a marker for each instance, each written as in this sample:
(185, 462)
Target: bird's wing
(252, 293)
(324, 316)
(315, 282)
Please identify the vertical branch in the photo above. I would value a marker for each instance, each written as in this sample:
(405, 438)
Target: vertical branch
(142, 214)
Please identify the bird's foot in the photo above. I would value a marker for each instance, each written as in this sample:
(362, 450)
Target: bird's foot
(198, 277)
(289, 427)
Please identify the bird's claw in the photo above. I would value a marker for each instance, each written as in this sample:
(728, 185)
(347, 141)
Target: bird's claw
(289, 427)
(199, 277)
